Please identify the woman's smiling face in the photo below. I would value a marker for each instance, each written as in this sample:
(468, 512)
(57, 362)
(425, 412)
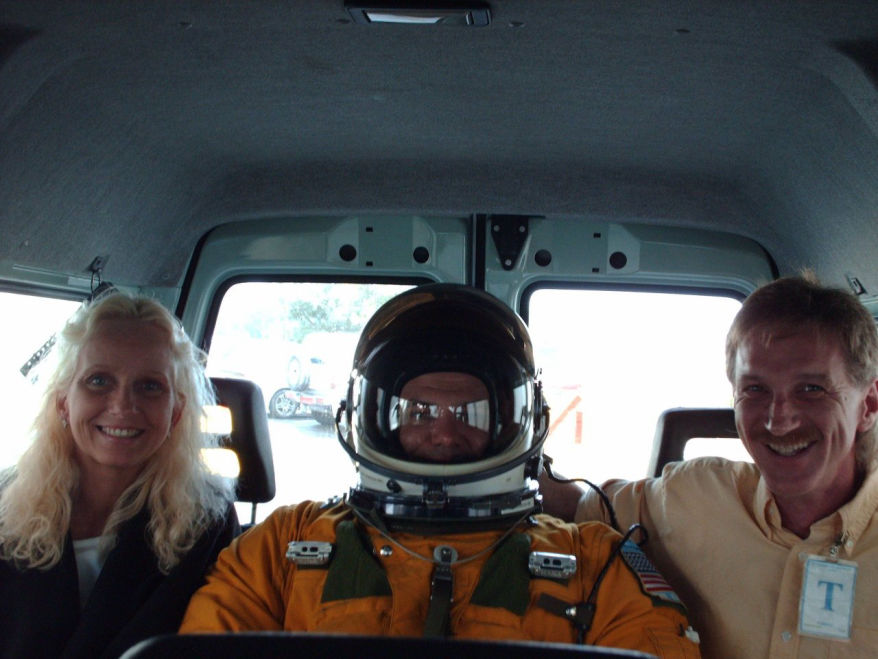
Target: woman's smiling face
(121, 403)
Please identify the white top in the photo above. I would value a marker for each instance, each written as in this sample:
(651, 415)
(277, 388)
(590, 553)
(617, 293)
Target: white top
(89, 561)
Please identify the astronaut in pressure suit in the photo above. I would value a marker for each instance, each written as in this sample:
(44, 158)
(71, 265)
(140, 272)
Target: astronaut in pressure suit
(441, 535)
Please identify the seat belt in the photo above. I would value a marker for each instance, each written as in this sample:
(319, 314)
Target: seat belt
(438, 621)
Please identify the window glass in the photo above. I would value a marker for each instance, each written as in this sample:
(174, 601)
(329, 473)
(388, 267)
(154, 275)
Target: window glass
(731, 448)
(30, 321)
(296, 341)
(613, 361)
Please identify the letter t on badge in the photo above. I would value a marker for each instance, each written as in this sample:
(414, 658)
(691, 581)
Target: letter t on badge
(826, 607)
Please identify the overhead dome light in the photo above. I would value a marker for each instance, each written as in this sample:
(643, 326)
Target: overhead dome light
(418, 13)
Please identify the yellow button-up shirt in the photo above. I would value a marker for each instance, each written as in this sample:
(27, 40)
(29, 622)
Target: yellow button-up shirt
(715, 534)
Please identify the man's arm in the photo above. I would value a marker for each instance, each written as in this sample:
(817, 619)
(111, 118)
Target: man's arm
(574, 503)
(559, 499)
(624, 499)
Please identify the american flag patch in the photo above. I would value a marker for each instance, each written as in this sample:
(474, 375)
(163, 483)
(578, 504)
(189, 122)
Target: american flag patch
(651, 581)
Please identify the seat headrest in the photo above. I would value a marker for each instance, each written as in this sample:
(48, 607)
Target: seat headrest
(250, 438)
(678, 425)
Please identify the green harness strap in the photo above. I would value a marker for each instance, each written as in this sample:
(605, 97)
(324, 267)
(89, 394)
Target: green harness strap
(354, 571)
(505, 579)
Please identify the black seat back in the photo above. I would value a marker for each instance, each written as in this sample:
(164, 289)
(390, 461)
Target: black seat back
(249, 439)
(677, 426)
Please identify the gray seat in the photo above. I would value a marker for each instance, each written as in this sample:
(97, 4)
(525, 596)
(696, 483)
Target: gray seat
(249, 439)
(677, 426)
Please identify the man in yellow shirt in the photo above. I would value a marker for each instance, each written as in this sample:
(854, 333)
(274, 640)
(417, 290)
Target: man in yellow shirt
(441, 535)
(778, 558)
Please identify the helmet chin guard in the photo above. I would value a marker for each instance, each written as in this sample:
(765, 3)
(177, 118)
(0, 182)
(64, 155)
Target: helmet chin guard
(444, 330)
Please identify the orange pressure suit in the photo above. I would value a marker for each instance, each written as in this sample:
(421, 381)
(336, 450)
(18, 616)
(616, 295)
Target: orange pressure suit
(374, 586)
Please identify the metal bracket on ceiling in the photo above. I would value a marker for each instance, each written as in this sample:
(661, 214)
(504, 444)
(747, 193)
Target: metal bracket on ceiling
(98, 285)
(509, 233)
(855, 284)
(96, 268)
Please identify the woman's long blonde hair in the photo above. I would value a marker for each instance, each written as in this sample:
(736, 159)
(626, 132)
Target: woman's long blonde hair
(182, 496)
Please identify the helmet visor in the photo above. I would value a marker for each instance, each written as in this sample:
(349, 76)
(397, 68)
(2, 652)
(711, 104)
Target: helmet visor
(442, 417)
(445, 417)
(408, 413)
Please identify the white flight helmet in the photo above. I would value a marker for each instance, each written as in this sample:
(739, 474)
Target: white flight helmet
(441, 328)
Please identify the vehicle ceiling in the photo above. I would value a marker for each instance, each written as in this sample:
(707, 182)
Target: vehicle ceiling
(131, 128)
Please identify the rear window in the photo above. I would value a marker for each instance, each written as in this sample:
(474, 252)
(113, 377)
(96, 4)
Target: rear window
(31, 322)
(296, 341)
(613, 361)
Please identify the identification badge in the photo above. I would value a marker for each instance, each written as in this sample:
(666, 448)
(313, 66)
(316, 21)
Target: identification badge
(827, 604)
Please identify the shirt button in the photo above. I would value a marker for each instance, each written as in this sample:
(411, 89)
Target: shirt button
(386, 551)
(786, 636)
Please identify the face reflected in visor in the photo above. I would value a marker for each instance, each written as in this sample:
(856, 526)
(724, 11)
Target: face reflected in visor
(443, 417)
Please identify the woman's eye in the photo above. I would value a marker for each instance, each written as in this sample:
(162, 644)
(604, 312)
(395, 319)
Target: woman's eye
(152, 387)
(812, 388)
(96, 380)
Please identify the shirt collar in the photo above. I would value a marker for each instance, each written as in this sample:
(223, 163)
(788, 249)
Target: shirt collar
(857, 513)
(847, 523)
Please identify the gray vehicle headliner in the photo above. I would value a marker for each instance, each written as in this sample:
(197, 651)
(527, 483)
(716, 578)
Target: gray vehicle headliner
(132, 128)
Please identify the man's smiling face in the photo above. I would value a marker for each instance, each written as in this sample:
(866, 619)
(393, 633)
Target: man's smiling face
(799, 413)
(444, 417)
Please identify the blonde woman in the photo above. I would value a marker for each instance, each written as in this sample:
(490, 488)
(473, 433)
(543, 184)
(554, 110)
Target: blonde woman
(110, 519)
